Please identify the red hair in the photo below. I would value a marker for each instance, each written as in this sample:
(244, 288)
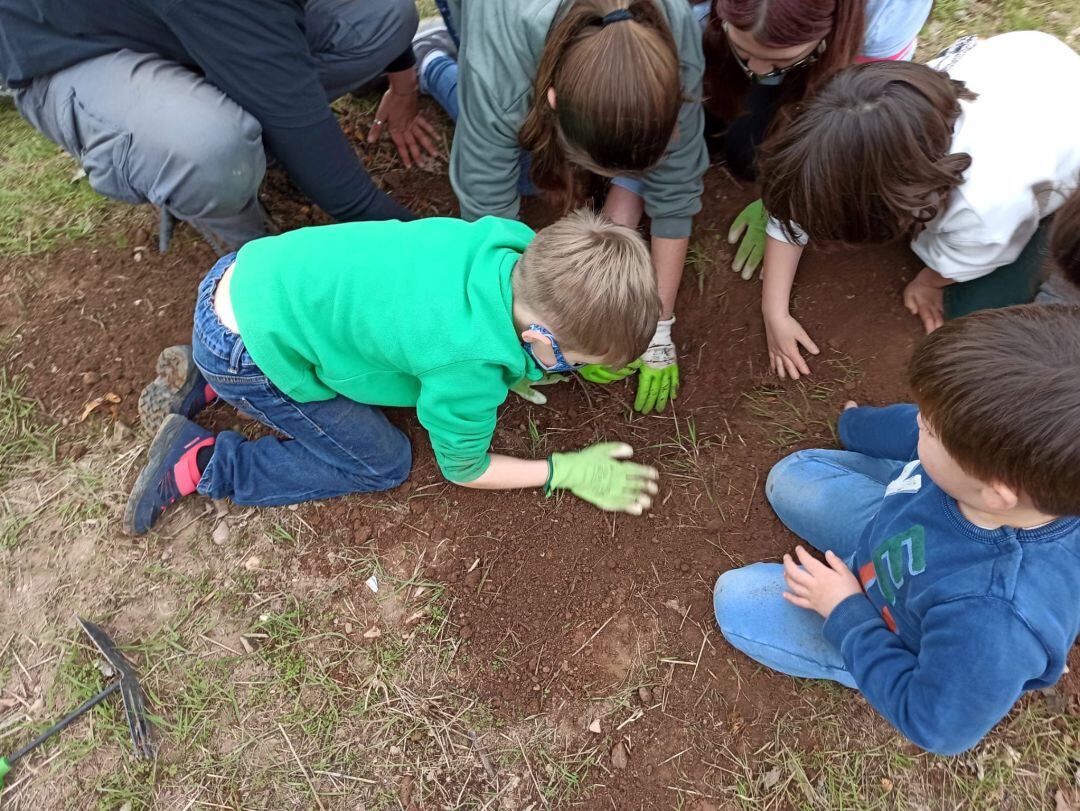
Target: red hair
(778, 24)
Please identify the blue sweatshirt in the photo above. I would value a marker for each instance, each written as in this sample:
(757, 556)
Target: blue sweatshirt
(254, 51)
(956, 621)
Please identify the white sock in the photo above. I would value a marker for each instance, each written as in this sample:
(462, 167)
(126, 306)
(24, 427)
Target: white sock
(427, 59)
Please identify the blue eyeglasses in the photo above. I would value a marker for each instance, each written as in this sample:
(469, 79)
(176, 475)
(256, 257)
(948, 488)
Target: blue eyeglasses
(561, 363)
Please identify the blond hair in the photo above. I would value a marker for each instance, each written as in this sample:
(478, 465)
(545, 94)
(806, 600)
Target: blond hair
(592, 283)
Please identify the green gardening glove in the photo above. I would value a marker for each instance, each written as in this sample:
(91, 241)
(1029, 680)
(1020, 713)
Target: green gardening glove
(595, 373)
(658, 371)
(5, 767)
(597, 475)
(750, 225)
(524, 387)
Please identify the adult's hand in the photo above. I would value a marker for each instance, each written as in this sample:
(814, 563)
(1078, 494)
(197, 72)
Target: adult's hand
(924, 296)
(399, 114)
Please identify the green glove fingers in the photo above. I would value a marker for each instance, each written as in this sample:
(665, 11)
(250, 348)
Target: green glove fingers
(595, 373)
(656, 387)
(598, 474)
(750, 227)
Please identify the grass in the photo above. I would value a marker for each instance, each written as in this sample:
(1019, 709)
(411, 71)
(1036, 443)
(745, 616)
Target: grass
(952, 19)
(41, 204)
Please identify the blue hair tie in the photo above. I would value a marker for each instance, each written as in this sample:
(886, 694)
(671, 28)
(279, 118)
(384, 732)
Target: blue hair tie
(618, 15)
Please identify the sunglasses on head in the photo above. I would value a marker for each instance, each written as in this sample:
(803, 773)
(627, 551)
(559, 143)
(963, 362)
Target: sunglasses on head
(806, 61)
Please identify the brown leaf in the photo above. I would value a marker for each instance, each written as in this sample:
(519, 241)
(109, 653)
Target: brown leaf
(620, 758)
(97, 402)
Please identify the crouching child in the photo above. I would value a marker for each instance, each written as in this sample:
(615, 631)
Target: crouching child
(313, 331)
(951, 546)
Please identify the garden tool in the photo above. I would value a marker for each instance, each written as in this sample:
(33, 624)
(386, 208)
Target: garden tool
(127, 685)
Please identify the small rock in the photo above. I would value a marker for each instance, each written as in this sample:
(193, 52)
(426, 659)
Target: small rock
(466, 632)
(252, 563)
(362, 534)
(122, 433)
(90, 378)
(645, 694)
(472, 579)
(372, 633)
(221, 533)
(620, 757)
(594, 727)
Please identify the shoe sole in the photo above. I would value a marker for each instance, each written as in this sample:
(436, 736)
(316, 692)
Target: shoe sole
(176, 374)
(171, 426)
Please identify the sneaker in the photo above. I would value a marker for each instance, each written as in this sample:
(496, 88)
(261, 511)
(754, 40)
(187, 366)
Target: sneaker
(171, 472)
(179, 388)
(432, 39)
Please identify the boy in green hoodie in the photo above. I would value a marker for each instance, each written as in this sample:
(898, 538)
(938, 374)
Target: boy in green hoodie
(312, 331)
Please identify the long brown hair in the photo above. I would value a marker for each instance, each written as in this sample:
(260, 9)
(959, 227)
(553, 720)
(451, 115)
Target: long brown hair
(866, 158)
(1065, 238)
(617, 95)
(778, 24)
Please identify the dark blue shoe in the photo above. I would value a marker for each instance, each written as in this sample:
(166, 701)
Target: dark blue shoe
(179, 388)
(171, 472)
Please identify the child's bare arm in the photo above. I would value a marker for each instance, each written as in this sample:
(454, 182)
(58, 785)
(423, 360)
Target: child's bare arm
(510, 473)
(784, 334)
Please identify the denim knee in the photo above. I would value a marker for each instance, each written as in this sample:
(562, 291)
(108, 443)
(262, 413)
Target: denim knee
(734, 592)
(786, 485)
(387, 466)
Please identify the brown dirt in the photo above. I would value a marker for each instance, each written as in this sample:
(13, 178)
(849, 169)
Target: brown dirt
(563, 610)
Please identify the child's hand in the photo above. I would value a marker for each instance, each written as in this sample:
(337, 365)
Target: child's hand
(925, 299)
(785, 335)
(816, 586)
(599, 475)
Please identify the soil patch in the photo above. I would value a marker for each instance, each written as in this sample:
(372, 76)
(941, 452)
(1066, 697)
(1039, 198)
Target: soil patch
(563, 610)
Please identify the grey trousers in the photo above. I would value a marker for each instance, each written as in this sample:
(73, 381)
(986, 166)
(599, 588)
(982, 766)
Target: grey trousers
(146, 129)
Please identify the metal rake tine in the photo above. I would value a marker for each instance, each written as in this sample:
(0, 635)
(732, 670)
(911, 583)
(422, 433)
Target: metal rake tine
(138, 726)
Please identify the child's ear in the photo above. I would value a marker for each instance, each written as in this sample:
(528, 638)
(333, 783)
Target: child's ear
(551, 98)
(999, 497)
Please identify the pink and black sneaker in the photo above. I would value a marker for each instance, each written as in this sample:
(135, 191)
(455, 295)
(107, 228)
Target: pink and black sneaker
(179, 388)
(178, 456)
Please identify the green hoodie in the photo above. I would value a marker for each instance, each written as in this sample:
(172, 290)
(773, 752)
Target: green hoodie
(392, 314)
(501, 43)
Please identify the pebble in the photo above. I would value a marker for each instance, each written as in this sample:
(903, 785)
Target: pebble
(594, 727)
(221, 533)
(646, 695)
(362, 534)
(620, 757)
(90, 378)
(252, 563)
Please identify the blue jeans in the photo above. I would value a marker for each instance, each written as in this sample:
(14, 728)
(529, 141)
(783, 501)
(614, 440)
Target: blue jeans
(827, 498)
(440, 81)
(332, 447)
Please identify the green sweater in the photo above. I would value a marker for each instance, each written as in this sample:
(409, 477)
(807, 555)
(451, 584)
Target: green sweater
(392, 314)
(501, 43)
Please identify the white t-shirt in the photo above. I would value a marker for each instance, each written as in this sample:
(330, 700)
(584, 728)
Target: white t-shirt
(1023, 135)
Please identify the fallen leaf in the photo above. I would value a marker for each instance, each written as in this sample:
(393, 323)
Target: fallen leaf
(886, 784)
(97, 402)
(372, 633)
(772, 777)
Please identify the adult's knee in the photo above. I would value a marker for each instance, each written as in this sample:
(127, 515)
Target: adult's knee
(219, 172)
(388, 25)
